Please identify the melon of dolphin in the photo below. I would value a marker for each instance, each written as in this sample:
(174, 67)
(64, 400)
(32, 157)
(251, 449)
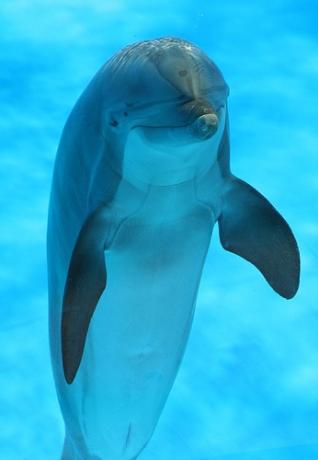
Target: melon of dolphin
(142, 174)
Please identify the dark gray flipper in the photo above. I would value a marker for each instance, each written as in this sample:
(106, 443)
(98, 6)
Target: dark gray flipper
(86, 281)
(251, 227)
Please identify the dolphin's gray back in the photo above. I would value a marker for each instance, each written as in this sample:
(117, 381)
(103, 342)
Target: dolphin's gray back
(77, 156)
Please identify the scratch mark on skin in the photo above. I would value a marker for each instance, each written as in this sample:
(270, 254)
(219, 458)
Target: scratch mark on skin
(128, 436)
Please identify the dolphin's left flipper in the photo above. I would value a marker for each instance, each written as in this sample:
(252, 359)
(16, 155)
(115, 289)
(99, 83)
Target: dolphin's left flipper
(85, 283)
(252, 228)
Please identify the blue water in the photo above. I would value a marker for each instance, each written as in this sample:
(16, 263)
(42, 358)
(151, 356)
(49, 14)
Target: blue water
(248, 386)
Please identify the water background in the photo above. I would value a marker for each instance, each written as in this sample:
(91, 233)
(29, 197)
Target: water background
(248, 386)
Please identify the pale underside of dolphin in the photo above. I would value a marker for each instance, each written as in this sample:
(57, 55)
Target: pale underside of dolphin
(141, 176)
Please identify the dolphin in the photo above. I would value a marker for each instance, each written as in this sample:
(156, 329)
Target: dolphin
(141, 176)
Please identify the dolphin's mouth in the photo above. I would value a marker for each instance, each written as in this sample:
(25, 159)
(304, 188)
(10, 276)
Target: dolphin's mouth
(197, 116)
(177, 121)
(201, 129)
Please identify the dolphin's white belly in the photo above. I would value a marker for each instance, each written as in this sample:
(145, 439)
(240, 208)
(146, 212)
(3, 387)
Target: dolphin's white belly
(141, 324)
(140, 330)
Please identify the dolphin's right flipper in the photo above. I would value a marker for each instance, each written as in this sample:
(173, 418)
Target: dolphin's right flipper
(85, 283)
(252, 228)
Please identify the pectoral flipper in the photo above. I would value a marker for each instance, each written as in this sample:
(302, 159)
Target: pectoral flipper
(251, 227)
(85, 283)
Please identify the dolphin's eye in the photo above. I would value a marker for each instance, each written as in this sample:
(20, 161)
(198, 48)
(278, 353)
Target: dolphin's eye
(114, 123)
(183, 73)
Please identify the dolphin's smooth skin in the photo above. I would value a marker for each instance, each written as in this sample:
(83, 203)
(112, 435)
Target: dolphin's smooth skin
(141, 176)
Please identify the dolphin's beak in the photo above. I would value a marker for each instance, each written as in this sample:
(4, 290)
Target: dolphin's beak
(202, 117)
(205, 126)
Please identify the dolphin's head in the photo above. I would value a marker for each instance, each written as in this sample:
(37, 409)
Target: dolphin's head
(169, 97)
